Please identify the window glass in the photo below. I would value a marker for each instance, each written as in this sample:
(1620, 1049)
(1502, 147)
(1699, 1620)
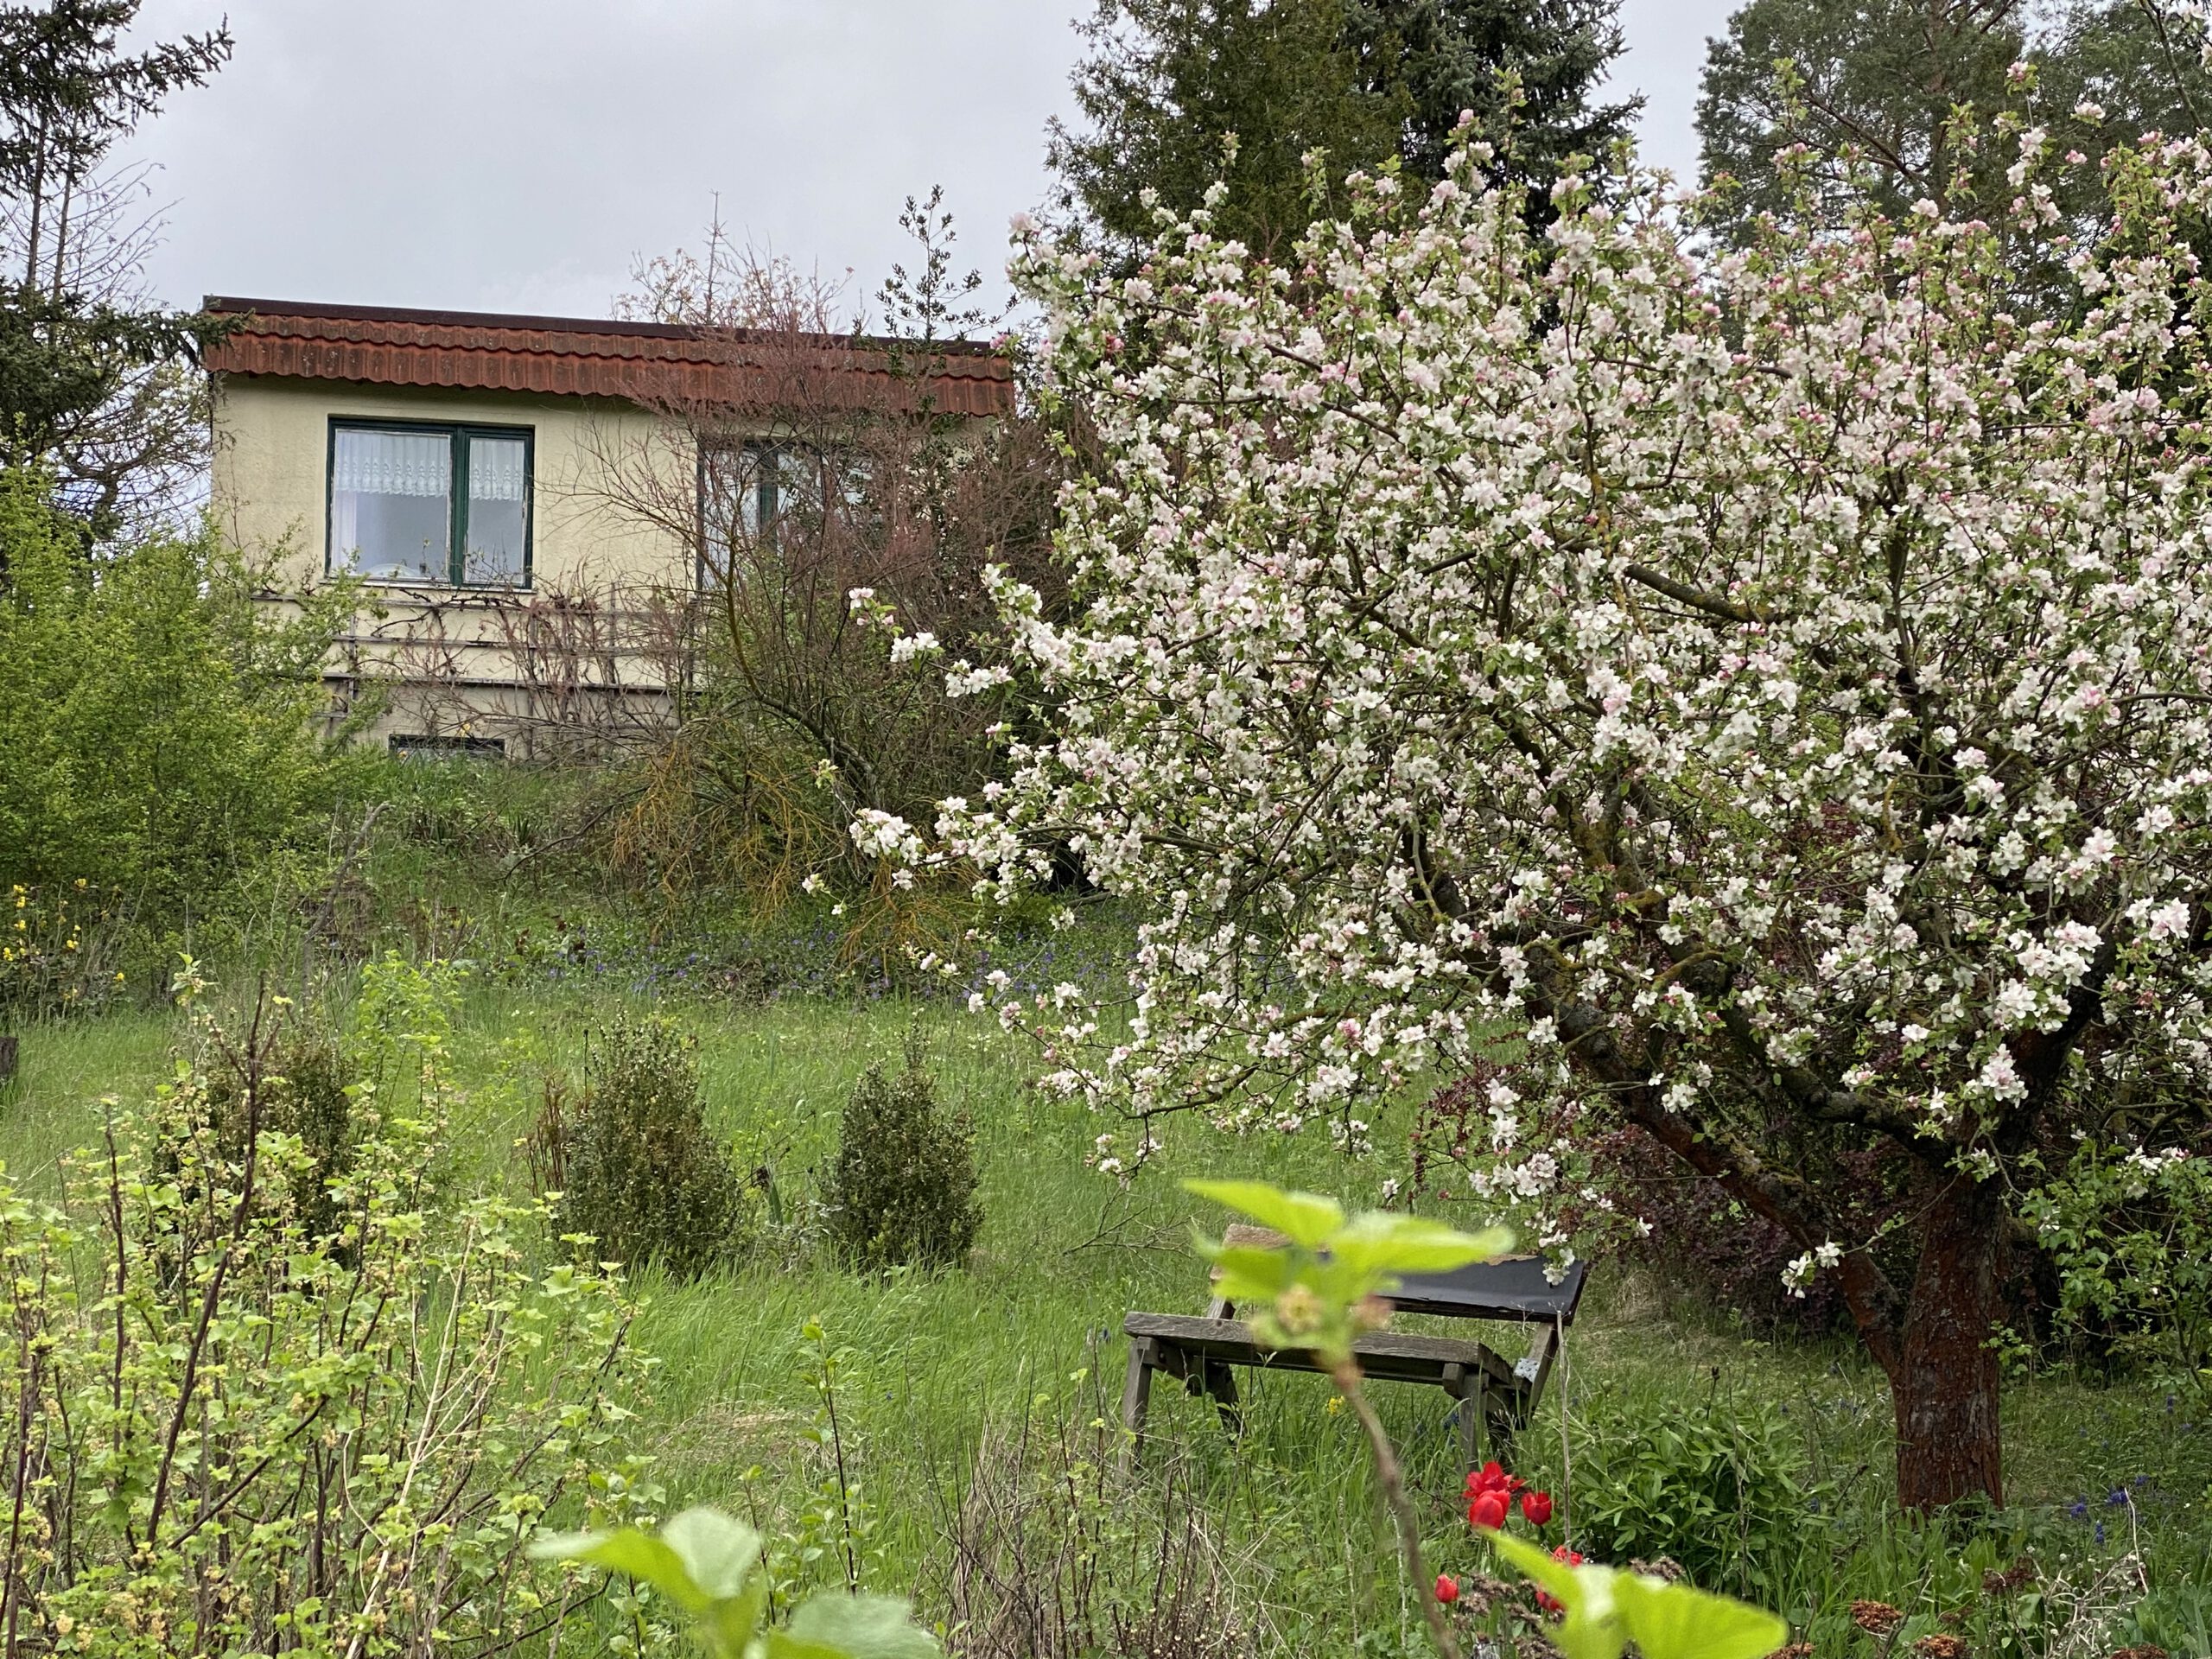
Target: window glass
(743, 490)
(767, 471)
(499, 508)
(392, 504)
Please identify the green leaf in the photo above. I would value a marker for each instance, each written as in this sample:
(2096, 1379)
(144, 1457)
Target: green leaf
(1677, 1621)
(1381, 1241)
(721, 1554)
(1537, 1563)
(1304, 1218)
(1590, 1630)
(836, 1627)
(1248, 1272)
(639, 1555)
(1606, 1608)
(727, 1626)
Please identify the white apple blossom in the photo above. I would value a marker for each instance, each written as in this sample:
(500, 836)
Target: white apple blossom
(907, 647)
(1778, 681)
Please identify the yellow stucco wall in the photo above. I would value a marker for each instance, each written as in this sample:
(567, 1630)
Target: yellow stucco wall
(443, 658)
(271, 479)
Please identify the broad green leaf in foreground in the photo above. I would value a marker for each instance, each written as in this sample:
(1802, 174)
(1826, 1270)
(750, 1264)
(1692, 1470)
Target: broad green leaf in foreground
(1606, 1609)
(1674, 1621)
(1304, 1218)
(836, 1627)
(707, 1565)
(635, 1555)
(720, 1553)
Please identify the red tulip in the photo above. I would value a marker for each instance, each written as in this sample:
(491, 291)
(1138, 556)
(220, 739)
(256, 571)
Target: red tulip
(1490, 1478)
(1487, 1510)
(1447, 1588)
(1536, 1507)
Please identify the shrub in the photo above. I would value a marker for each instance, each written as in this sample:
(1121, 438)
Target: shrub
(1048, 1556)
(58, 950)
(1727, 1497)
(156, 724)
(220, 1433)
(903, 1190)
(300, 1085)
(644, 1176)
(2130, 1228)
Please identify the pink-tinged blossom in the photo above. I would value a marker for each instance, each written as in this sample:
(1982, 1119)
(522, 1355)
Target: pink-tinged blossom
(1757, 676)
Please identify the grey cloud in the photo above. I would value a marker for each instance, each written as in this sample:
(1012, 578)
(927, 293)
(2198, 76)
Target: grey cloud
(514, 154)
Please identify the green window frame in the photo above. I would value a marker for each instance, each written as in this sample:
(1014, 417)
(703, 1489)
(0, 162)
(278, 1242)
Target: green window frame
(457, 435)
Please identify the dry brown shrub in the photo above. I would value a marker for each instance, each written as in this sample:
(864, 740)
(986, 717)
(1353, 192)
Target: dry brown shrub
(1049, 1554)
(803, 461)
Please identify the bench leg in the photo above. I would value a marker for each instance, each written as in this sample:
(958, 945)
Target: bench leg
(1467, 1413)
(1136, 1395)
(1489, 1414)
(1500, 1420)
(1516, 1408)
(1219, 1381)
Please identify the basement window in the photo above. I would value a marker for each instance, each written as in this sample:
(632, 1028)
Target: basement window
(446, 748)
(449, 505)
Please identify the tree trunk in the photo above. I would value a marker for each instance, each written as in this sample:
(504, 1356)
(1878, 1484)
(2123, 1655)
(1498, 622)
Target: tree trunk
(1945, 1384)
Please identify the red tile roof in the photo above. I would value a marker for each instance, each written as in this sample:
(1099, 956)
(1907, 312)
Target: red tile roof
(656, 363)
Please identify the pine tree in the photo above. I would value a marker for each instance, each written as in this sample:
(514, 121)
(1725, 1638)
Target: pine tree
(1883, 82)
(1175, 94)
(1446, 55)
(84, 389)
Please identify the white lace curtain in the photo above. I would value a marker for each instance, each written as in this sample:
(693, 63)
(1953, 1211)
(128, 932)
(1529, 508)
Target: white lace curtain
(495, 469)
(395, 463)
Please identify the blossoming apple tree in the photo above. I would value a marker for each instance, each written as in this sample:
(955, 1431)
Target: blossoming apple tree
(1778, 682)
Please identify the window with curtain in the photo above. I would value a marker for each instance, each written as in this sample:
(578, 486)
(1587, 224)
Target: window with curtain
(449, 505)
(744, 488)
(750, 491)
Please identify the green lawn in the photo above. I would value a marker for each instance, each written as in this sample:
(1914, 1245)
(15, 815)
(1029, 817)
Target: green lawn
(952, 1383)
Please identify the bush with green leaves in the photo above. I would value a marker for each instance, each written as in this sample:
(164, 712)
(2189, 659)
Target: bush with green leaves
(2129, 1228)
(299, 1084)
(902, 1192)
(646, 1176)
(1727, 1497)
(58, 950)
(225, 1430)
(156, 722)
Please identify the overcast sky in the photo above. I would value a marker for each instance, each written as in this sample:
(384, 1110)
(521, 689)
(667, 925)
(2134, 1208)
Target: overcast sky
(514, 155)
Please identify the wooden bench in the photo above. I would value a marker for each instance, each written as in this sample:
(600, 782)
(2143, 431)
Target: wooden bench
(1495, 1396)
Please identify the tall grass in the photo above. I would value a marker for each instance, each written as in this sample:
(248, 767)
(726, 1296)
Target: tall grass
(942, 1370)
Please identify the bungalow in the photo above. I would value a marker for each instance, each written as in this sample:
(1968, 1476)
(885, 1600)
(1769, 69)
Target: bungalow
(529, 502)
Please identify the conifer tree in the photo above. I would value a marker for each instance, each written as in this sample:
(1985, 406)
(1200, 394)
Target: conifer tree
(1175, 94)
(1873, 90)
(85, 389)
